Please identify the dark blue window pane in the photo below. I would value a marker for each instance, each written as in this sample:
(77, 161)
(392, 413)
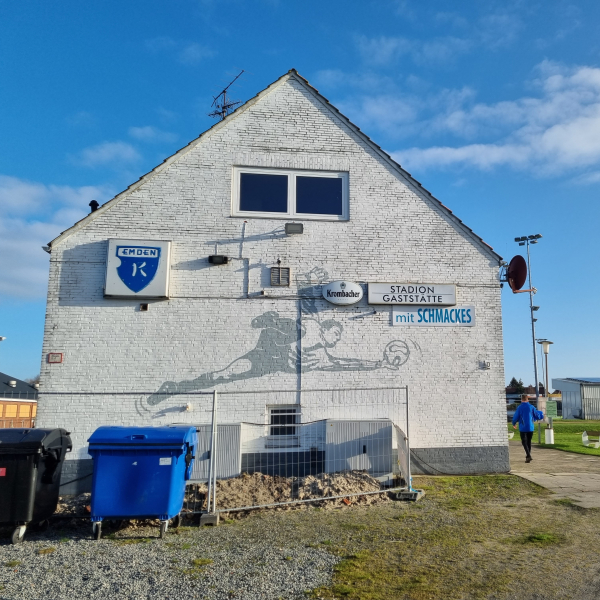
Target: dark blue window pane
(264, 193)
(319, 195)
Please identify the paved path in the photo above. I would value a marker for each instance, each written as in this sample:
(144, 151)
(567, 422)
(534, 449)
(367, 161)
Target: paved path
(568, 475)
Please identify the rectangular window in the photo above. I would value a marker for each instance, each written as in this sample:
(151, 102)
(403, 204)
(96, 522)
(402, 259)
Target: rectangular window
(11, 410)
(263, 193)
(283, 427)
(24, 410)
(287, 194)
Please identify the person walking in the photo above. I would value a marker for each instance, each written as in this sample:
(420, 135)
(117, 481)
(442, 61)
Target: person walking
(525, 415)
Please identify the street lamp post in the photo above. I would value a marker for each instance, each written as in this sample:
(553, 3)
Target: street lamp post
(526, 240)
(546, 348)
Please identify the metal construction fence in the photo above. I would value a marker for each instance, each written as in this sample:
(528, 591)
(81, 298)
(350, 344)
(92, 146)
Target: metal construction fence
(269, 447)
(273, 448)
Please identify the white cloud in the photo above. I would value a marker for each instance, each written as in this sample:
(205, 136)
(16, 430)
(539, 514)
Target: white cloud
(452, 19)
(108, 153)
(195, 53)
(385, 50)
(588, 178)
(151, 134)
(498, 30)
(160, 44)
(187, 53)
(32, 214)
(82, 118)
(401, 113)
(382, 50)
(555, 132)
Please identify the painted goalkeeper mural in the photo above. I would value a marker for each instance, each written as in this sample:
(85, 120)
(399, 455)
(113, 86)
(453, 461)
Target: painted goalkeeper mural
(287, 345)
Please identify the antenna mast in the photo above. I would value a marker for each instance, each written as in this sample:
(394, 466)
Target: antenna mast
(222, 105)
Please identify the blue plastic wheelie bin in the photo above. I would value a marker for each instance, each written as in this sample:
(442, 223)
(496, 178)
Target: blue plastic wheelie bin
(140, 472)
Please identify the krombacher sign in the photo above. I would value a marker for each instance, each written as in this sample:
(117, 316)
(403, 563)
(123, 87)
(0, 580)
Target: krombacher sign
(412, 293)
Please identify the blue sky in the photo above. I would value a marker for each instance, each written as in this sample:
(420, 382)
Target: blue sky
(493, 106)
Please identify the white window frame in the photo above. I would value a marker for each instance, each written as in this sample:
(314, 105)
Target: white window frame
(284, 440)
(291, 200)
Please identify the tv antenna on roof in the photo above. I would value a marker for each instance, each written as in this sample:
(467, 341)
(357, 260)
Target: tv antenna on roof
(222, 105)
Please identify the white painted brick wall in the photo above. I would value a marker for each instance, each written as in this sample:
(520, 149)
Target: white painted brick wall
(395, 233)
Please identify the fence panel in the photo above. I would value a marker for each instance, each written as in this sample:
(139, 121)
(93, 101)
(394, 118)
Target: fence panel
(270, 448)
(291, 447)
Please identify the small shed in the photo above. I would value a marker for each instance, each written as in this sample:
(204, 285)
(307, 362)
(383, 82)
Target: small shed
(580, 397)
(18, 402)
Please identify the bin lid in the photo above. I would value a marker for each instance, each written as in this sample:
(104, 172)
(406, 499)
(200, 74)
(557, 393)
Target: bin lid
(33, 439)
(171, 435)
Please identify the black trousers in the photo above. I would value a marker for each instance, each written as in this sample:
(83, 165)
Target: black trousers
(526, 441)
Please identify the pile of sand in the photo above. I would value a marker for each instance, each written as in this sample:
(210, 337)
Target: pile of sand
(259, 490)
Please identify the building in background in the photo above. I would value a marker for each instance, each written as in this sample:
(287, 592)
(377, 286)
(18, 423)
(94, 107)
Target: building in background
(580, 397)
(18, 402)
(280, 252)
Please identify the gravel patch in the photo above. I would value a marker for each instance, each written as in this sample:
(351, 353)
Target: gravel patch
(133, 563)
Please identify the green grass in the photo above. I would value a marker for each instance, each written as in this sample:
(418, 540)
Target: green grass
(48, 550)
(12, 563)
(451, 545)
(540, 538)
(197, 567)
(567, 436)
(567, 502)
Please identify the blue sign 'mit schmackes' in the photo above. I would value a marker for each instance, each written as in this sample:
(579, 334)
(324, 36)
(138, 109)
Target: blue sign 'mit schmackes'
(138, 265)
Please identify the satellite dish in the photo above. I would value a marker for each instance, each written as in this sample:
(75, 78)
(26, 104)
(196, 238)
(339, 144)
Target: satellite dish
(516, 273)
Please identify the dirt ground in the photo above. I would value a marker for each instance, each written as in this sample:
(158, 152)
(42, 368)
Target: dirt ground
(260, 490)
(354, 488)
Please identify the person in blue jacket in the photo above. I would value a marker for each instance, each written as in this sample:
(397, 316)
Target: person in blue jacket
(525, 415)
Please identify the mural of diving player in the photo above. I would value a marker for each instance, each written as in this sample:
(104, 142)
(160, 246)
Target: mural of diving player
(276, 349)
(276, 352)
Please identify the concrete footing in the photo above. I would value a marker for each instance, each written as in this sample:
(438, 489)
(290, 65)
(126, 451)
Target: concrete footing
(209, 519)
(410, 496)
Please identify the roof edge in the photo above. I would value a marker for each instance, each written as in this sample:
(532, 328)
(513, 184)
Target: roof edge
(396, 166)
(292, 73)
(168, 161)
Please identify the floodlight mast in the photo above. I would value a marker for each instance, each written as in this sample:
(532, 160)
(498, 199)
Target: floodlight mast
(526, 240)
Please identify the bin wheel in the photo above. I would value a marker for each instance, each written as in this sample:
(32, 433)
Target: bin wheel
(43, 525)
(176, 521)
(18, 534)
(97, 530)
(163, 528)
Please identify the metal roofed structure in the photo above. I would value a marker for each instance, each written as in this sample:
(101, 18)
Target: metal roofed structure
(580, 397)
(19, 390)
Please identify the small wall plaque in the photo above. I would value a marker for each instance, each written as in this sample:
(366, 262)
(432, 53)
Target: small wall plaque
(55, 357)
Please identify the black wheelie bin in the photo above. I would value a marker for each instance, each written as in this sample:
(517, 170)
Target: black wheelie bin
(30, 466)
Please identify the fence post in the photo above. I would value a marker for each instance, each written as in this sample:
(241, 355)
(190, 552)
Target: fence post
(409, 482)
(214, 457)
(213, 448)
